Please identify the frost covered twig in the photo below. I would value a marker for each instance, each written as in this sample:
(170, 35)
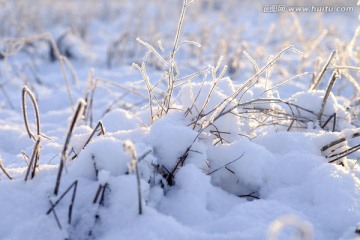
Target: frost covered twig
(165, 101)
(322, 72)
(223, 107)
(259, 101)
(216, 80)
(173, 72)
(27, 91)
(94, 83)
(333, 78)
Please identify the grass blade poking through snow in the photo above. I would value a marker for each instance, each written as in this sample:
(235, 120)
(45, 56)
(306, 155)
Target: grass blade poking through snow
(335, 149)
(55, 215)
(99, 196)
(180, 162)
(333, 116)
(34, 160)
(339, 141)
(344, 153)
(333, 78)
(129, 147)
(53, 205)
(99, 128)
(227, 164)
(78, 113)
(322, 72)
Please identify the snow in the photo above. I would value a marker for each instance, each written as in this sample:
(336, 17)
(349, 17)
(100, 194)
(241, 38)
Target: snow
(120, 119)
(170, 137)
(103, 154)
(241, 166)
(312, 101)
(257, 172)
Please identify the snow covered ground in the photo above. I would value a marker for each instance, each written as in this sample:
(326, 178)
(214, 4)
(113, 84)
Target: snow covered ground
(132, 135)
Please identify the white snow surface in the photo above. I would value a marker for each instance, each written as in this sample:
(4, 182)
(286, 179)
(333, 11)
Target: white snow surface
(256, 177)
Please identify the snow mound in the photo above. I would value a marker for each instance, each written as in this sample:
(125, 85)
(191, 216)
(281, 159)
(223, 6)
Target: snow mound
(170, 138)
(120, 119)
(311, 103)
(104, 153)
(240, 167)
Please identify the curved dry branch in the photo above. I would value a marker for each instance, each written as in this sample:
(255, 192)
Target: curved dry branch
(26, 91)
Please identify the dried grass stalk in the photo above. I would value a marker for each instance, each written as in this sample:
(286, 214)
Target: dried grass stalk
(99, 128)
(2, 167)
(129, 147)
(78, 113)
(35, 156)
(27, 91)
(73, 186)
(322, 72)
(333, 78)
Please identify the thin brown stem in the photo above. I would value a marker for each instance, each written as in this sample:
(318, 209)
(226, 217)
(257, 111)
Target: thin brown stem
(2, 167)
(78, 113)
(322, 72)
(34, 159)
(333, 78)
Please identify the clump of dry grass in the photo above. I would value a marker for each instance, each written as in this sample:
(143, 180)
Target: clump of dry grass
(163, 99)
(119, 91)
(162, 92)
